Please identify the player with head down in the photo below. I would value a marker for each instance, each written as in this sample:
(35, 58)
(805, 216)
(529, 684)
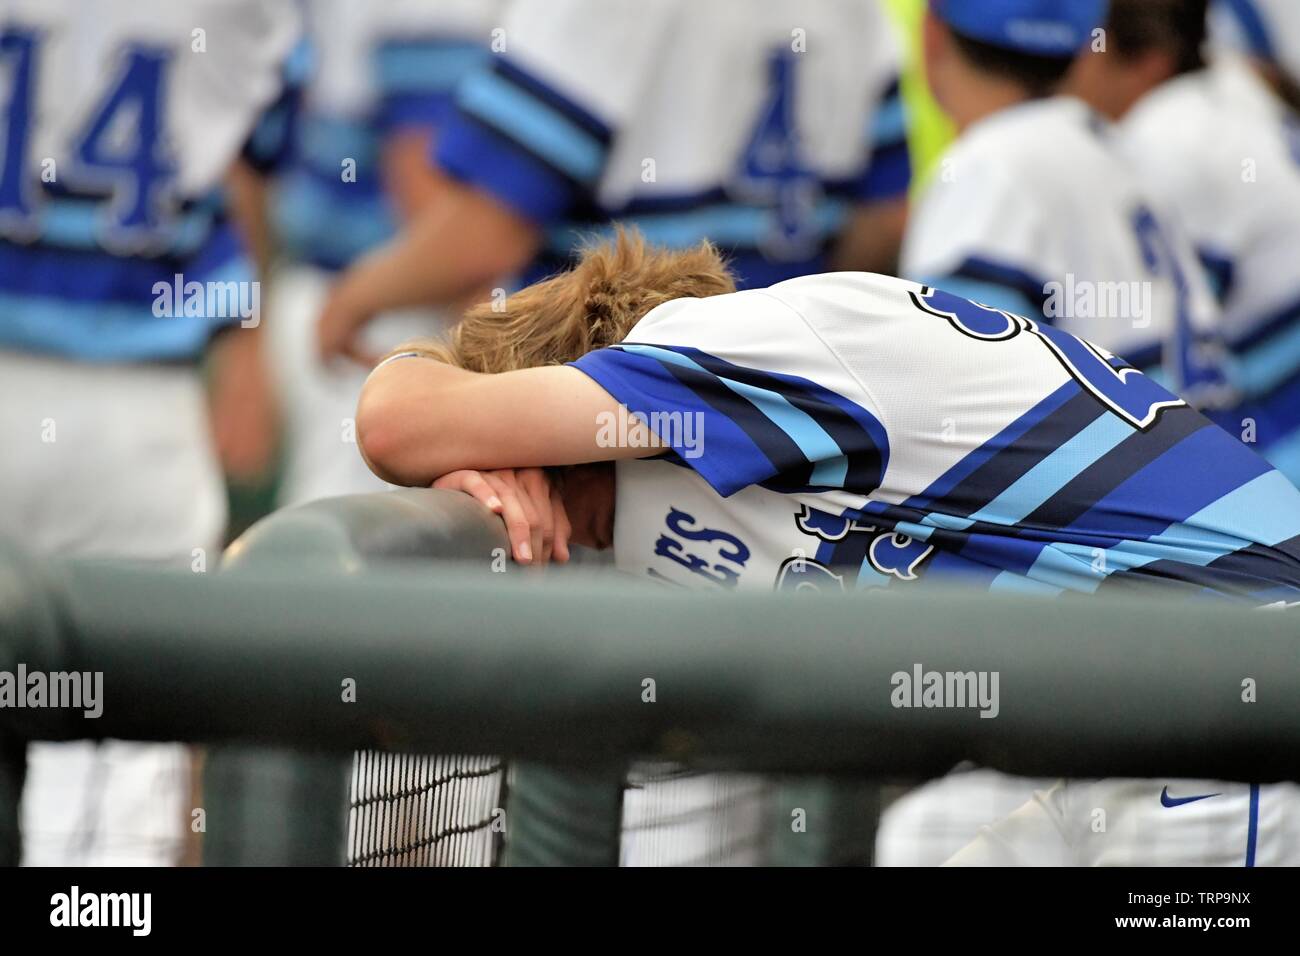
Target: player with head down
(845, 431)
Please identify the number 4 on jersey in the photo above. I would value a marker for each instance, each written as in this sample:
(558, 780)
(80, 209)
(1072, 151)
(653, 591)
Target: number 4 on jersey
(1124, 390)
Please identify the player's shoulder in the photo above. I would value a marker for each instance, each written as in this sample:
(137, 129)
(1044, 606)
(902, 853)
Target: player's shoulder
(806, 313)
(1023, 137)
(865, 294)
(1180, 113)
(1027, 162)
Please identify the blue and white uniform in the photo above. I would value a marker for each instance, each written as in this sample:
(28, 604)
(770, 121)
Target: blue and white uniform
(892, 434)
(121, 121)
(850, 431)
(368, 75)
(1218, 147)
(756, 126)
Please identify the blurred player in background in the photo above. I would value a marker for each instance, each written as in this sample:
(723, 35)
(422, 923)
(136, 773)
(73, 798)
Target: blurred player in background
(378, 84)
(1217, 146)
(122, 124)
(775, 130)
(1267, 32)
(1033, 211)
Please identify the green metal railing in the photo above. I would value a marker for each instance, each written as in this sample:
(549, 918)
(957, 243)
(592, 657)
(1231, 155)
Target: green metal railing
(548, 672)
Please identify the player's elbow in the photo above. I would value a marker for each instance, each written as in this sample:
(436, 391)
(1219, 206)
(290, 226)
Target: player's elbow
(396, 431)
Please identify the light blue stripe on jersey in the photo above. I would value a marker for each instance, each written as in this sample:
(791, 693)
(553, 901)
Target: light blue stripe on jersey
(1270, 364)
(813, 442)
(104, 331)
(1285, 456)
(947, 522)
(327, 140)
(533, 123)
(1253, 510)
(425, 66)
(330, 226)
(1008, 582)
(73, 224)
(869, 577)
(889, 125)
(1056, 470)
(918, 531)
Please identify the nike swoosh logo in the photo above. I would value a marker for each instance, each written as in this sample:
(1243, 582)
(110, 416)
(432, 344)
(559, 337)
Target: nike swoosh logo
(1168, 801)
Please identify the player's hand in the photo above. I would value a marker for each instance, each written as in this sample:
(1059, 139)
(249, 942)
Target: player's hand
(527, 502)
(338, 331)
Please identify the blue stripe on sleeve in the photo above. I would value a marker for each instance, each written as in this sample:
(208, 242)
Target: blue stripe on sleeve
(537, 127)
(889, 174)
(776, 428)
(812, 440)
(483, 158)
(731, 460)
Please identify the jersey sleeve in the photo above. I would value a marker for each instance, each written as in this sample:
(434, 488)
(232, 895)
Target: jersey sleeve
(534, 126)
(745, 393)
(269, 148)
(888, 172)
(975, 234)
(421, 52)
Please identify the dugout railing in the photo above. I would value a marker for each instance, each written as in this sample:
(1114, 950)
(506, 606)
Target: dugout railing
(551, 672)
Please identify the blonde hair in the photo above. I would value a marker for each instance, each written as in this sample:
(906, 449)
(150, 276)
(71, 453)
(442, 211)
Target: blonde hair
(593, 305)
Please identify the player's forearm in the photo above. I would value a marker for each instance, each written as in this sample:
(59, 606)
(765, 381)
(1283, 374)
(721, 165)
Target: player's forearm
(453, 248)
(419, 419)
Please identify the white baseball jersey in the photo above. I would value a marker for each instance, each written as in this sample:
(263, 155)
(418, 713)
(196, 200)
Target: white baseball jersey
(854, 431)
(1218, 147)
(1267, 29)
(754, 125)
(122, 119)
(372, 70)
(1145, 823)
(1032, 210)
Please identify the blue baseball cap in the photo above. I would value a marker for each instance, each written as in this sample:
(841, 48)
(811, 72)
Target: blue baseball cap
(1040, 27)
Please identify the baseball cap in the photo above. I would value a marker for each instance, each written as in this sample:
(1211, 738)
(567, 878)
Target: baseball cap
(1040, 27)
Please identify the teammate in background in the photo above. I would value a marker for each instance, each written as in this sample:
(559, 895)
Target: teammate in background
(776, 130)
(121, 129)
(378, 84)
(1267, 32)
(1033, 211)
(1215, 145)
